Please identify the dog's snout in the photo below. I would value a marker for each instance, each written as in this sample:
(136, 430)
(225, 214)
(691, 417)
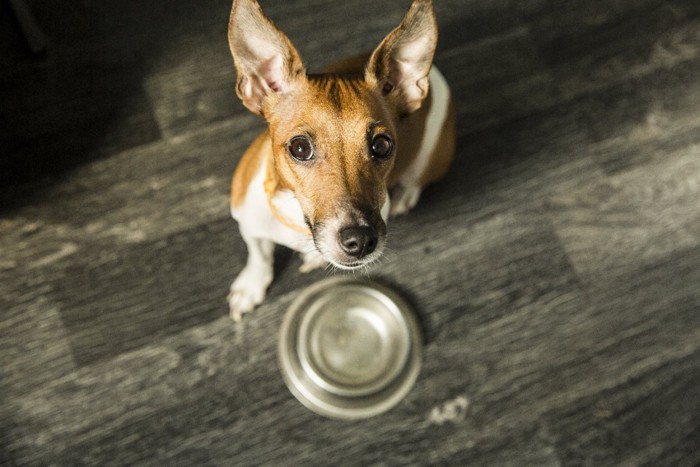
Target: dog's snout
(358, 241)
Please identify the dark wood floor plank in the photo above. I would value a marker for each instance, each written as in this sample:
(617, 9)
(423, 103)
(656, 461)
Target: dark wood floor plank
(554, 269)
(668, 95)
(141, 195)
(654, 413)
(626, 219)
(501, 77)
(34, 346)
(615, 42)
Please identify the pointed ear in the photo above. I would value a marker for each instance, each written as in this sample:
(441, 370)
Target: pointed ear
(266, 61)
(399, 67)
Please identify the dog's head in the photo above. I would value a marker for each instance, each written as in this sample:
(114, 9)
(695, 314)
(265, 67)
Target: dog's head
(334, 137)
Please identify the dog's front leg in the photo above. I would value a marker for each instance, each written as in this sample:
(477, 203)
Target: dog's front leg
(250, 286)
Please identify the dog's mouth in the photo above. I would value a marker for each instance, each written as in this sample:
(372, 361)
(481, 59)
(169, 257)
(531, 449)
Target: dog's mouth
(353, 265)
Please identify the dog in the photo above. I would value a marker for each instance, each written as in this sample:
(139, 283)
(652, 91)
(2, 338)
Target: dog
(343, 150)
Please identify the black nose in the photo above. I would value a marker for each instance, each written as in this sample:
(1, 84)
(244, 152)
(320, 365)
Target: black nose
(358, 241)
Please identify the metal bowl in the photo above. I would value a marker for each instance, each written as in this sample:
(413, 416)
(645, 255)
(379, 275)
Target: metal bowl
(349, 348)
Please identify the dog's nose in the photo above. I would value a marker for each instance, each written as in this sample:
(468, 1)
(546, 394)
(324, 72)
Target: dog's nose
(358, 241)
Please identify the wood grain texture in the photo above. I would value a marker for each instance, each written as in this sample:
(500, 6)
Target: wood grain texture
(555, 270)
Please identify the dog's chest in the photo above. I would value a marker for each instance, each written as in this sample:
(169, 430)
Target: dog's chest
(278, 218)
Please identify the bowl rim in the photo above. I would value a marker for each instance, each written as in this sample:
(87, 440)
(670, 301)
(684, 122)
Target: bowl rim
(335, 405)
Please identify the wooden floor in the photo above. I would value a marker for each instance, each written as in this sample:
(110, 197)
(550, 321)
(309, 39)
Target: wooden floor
(556, 270)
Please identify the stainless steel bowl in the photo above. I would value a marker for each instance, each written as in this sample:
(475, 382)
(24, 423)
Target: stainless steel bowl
(349, 348)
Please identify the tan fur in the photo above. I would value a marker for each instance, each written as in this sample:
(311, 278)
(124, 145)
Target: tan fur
(342, 170)
(442, 155)
(248, 166)
(410, 135)
(409, 130)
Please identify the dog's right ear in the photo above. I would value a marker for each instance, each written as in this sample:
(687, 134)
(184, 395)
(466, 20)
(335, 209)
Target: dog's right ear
(266, 61)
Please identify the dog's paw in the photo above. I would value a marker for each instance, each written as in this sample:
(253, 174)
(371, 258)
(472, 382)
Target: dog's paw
(247, 292)
(312, 260)
(241, 302)
(403, 199)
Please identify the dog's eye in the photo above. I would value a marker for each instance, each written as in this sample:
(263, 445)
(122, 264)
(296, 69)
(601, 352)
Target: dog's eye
(381, 147)
(300, 148)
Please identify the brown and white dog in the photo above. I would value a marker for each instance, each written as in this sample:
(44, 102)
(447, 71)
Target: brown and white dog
(343, 149)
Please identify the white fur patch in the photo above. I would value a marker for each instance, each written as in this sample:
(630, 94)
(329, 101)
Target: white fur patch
(433, 127)
(256, 217)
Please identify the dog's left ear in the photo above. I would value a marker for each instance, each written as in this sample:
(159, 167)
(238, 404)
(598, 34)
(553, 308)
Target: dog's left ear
(399, 67)
(266, 62)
